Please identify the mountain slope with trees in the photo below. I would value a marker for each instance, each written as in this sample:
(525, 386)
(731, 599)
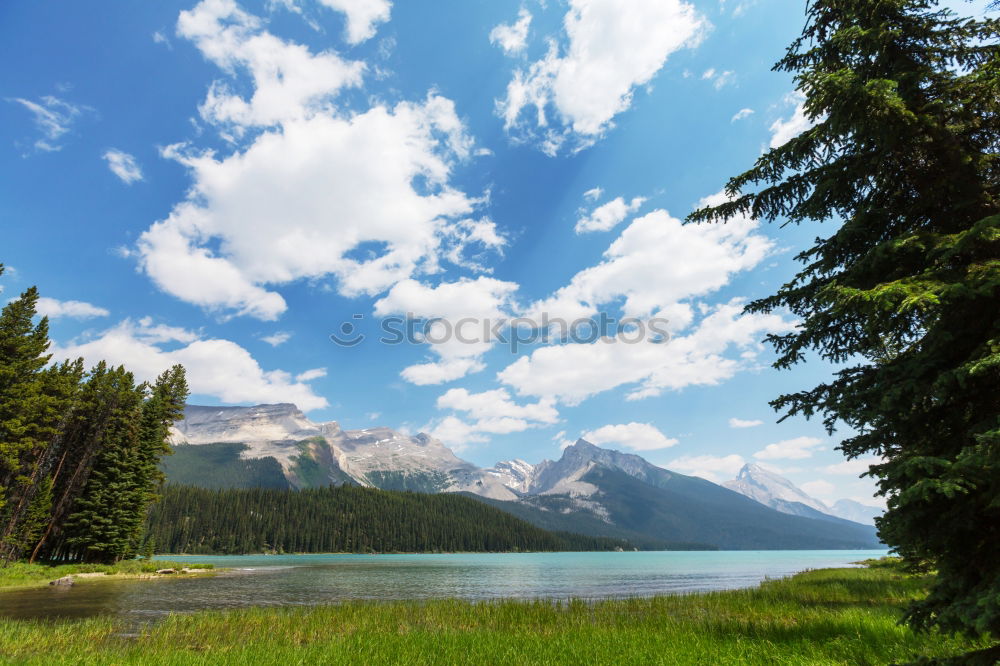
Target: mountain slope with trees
(344, 519)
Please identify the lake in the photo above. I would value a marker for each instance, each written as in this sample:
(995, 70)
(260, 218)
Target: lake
(292, 580)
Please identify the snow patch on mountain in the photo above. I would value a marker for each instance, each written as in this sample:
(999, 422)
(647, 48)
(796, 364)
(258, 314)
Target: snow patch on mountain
(366, 456)
(773, 490)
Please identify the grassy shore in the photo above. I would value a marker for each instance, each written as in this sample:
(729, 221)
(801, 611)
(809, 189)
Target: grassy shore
(831, 616)
(20, 574)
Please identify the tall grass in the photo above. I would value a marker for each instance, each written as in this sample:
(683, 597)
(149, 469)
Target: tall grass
(832, 616)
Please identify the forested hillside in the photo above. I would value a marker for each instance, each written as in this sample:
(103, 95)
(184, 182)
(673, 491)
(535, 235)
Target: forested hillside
(344, 519)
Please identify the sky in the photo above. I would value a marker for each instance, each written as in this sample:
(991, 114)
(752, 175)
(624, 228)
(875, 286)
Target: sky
(226, 185)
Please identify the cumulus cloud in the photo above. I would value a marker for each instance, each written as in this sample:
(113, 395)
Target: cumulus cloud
(53, 118)
(458, 340)
(289, 82)
(610, 49)
(296, 203)
(54, 309)
(593, 194)
(658, 261)
(657, 266)
(487, 413)
(362, 16)
(783, 130)
(796, 448)
(313, 191)
(712, 468)
(635, 436)
(123, 165)
(497, 405)
(215, 367)
(740, 423)
(512, 38)
(607, 216)
(724, 342)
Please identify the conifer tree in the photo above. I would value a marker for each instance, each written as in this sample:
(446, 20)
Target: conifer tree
(903, 161)
(34, 401)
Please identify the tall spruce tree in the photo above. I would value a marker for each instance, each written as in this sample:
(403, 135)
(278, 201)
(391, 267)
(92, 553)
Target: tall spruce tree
(903, 159)
(79, 460)
(34, 401)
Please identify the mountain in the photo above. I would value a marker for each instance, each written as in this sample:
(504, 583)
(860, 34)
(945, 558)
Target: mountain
(860, 513)
(292, 451)
(345, 519)
(589, 490)
(777, 492)
(638, 498)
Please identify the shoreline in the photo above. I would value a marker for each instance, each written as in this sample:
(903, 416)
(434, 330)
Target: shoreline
(836, 616)
(20, 575)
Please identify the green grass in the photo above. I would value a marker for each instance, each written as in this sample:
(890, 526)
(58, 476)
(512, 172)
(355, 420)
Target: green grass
(831, 616)
(21, 574)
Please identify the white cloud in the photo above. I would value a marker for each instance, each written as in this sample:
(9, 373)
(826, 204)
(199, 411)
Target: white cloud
(123, 165)
(797, 448)
(315, 192)
(309, 375)
(277, 339)
(652, 268)
(53, 118)
(496, 404)
(372, 416)
(362, 16)
(297, 202)
(561, 439)
(635, 436)
(215, 367)
(719, 79)
(853, 467)
(488, 413)
(53, 309)
(658, 261)
(740, 423)
(712, 468)
(455, 432)
(289, 82)
(784, 130)
(818, 488)
(593, 194)
(607, 216)
(611, 48)
(705, 356)
(464, 306)
(512, 38)
(741, 114)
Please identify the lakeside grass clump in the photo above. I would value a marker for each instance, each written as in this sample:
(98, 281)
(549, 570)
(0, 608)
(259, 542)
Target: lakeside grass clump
(22, 574)
(830, 616)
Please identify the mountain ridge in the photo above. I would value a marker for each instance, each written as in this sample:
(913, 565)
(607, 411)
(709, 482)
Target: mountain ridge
(607, 492)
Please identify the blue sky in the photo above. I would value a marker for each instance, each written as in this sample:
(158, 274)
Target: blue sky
(224, 184)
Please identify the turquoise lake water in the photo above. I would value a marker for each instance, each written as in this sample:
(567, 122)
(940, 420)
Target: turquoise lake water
(292, 580)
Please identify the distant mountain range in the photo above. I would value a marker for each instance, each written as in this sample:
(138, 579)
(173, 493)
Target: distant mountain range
(589, 490)
(777, 492)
